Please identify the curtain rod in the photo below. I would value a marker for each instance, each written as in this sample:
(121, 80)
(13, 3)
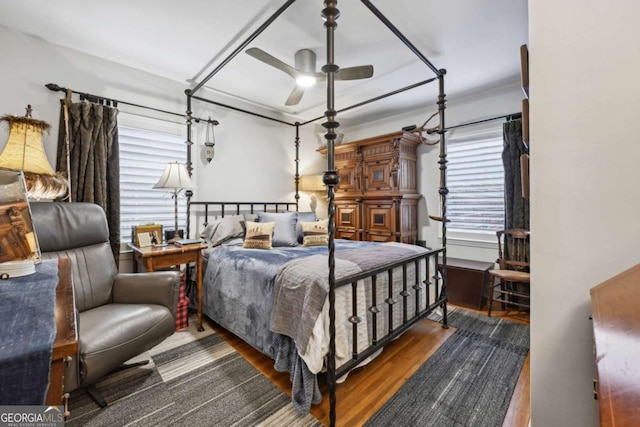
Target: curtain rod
(55, 88)
(509, 117)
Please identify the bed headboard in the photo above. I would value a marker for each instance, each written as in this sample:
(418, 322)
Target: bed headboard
(221, 209)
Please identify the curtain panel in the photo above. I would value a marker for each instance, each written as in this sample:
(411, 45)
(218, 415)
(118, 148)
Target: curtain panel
(516, 206)
(93, 159)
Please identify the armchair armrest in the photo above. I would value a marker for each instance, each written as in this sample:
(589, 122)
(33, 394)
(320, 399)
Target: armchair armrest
(148, 288)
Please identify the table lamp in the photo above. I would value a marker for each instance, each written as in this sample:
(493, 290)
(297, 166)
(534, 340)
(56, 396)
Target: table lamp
(24, 151)
(175, 178)
(312, 183)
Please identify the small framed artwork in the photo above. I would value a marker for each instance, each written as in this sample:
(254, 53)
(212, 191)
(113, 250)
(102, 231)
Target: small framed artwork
(19, 249)
(147, 235)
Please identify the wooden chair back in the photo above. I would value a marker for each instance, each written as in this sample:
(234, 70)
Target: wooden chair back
(513, 249)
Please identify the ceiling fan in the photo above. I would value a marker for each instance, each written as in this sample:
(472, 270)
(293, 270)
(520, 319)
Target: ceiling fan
(305, 73)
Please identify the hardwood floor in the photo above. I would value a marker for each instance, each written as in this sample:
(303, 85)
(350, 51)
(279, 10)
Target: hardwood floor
(366, 389)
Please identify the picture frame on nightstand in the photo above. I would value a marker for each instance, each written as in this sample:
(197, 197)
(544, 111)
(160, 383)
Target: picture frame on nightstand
(146, 235)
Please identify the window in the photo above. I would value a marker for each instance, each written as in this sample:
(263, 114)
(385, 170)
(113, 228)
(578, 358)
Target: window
(475, 178)
(143, 157)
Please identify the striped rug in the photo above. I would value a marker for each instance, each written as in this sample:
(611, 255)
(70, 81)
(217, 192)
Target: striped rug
(469, 380)
(193, 379)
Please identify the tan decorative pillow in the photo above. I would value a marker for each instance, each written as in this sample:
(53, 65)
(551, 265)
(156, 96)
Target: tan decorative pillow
(258, 235)
(315, 233)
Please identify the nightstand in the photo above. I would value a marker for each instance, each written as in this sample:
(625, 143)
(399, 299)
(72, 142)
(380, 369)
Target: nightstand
(153, 258)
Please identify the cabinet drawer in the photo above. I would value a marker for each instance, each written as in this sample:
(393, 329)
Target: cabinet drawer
(379, 237)
(347, 234)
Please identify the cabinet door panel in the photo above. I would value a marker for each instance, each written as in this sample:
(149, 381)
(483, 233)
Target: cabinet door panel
(378, 176)
(348, 179)
(347, 215)
(379, 222)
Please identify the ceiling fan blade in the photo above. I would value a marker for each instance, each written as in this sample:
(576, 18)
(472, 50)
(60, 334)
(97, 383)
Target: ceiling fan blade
(355, 73)
(263, 56)
(295, 96)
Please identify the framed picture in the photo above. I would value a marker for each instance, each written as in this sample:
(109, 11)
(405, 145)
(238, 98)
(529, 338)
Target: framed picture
(146, 235)
(18, 240)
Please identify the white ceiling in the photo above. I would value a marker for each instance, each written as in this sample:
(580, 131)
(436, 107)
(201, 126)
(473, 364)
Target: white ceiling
(476, 41)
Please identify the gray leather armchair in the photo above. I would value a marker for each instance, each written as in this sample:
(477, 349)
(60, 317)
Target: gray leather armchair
(120, 315)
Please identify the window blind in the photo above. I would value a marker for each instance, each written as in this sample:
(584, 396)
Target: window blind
(475, 178)
(143, 157)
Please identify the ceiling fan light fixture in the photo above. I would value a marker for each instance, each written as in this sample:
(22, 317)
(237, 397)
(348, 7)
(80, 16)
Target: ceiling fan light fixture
(305, 80)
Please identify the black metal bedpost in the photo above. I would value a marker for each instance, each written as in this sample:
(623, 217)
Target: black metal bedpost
(189, 164)
(443, 191)
(297, 177)
(331, 13)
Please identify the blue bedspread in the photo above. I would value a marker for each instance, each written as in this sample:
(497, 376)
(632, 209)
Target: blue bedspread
(238, 295)
(27, 316)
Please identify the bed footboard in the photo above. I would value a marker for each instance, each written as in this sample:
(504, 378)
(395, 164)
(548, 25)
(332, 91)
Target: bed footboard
(421, 291)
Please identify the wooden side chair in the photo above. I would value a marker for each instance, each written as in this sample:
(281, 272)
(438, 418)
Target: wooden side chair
(513, 286)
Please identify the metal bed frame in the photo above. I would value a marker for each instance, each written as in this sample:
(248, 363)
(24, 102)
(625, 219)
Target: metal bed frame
(330, 13)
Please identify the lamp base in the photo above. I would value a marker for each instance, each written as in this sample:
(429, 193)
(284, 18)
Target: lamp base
(314, 203)
(168, 235)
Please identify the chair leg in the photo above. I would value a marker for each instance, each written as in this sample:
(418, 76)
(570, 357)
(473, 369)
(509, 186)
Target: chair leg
(96, 396)
(492, 289)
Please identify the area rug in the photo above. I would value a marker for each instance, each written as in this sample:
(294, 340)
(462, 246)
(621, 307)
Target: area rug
(193, 379)
(468, 381)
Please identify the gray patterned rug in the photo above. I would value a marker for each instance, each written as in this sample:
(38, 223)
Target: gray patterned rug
(193, 379)
(468, 381)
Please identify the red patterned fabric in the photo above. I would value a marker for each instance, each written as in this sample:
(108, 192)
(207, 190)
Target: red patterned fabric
(182, 310)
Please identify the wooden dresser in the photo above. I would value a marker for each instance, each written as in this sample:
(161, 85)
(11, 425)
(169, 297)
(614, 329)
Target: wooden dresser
(377, 198)
(616, 327)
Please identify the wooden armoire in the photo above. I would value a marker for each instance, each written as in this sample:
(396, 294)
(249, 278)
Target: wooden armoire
(377, 197)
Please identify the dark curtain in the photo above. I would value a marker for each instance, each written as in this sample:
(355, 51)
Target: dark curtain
(94, 160)
(516, 206)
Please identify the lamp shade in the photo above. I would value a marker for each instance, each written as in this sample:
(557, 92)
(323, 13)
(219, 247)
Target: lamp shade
(312, 183)
(175, 177)
(24, 151)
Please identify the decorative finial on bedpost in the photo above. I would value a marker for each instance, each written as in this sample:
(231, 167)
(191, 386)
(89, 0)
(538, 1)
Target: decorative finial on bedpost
(330, 13)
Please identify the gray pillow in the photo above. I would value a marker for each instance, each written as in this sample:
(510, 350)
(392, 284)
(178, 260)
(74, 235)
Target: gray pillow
(304, 217)
(208, 231)
(227, 228)
(250, 217)
(285, 231)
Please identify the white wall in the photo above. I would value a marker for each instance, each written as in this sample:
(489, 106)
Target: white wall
(254, 157)
(584, 67)
(496, 102)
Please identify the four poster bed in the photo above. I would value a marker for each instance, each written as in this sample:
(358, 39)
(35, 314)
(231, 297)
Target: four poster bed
(350, 306)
